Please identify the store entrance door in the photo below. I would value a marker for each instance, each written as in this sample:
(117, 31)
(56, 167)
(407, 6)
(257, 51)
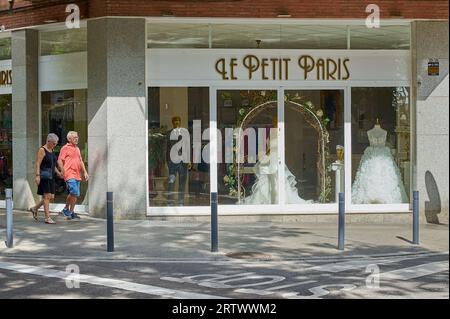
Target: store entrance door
(277, 149)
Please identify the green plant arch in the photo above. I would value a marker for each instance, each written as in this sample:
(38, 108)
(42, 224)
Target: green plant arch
(308, 111)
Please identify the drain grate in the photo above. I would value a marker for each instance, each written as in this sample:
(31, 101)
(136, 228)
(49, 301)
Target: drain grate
(248, 255)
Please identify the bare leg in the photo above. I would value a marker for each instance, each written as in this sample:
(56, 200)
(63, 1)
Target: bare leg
(72, 201)
(38, 205)
(46, 200)
(68, 201)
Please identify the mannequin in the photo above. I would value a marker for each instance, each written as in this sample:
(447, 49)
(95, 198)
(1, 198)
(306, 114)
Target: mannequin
(177, 159)
(378, 179)
(265, 190)
(377, 136)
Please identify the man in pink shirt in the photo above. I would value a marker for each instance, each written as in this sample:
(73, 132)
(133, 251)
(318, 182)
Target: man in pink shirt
(72, 163)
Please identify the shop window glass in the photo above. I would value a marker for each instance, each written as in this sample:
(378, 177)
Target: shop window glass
(64, 111)
(386, 37)
(381, 160)
(314, 146)
(6, 159)
(177, 35)
(178, 162)
(247, 162)
(63, 41)
(5, 48)
(266, 36)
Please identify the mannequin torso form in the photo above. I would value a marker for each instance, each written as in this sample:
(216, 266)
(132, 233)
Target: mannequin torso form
(377, 136)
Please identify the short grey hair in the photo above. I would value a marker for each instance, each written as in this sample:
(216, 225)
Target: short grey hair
(52, 137)
(71, 133)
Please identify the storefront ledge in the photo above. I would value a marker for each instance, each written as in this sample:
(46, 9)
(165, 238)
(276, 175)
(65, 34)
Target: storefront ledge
(351, 218)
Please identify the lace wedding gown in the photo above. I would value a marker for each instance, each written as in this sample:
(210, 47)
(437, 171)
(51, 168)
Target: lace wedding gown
(378, 179)
(265, 189)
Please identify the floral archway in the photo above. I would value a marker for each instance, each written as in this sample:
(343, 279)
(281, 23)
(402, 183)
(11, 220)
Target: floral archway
(313, 116)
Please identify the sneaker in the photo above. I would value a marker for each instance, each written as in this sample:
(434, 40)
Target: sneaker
(74, 215)
(66, 212)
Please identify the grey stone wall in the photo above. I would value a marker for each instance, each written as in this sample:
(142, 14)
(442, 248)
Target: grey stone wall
(25, 115)
(117, 113)
(430, 41)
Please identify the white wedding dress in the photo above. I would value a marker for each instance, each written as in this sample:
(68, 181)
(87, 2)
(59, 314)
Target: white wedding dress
(265, 188)
(378, 179)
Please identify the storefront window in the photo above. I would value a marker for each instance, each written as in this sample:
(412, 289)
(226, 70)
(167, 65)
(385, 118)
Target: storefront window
(5, 48)
(178, 162)
(277, 36)
(387, 37)
(247, 159)
(314, 142)
(64, 111)
(63, 41)
(178, 35)
(381, 145)
(6, 169)
(267, 36)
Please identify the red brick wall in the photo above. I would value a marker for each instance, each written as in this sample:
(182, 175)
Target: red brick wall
(350, 9)
(26, 15)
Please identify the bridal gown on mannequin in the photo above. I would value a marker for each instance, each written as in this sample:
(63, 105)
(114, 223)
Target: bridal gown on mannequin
(378, 179)
(265, 189)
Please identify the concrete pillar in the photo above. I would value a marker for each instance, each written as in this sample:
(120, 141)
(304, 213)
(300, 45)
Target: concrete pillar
(430, 41)
(117, 113)
(25, 115)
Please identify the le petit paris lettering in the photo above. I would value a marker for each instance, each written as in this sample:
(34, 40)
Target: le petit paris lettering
(5, 77)
(279, 68)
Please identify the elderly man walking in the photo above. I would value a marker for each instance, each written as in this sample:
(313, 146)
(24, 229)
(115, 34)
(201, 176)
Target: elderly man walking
(72, 163)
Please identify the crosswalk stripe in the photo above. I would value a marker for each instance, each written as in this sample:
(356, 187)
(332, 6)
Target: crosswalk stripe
(107, 282)
(416, 271)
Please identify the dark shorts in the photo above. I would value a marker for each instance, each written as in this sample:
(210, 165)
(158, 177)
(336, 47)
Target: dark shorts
(46, 186)
(73, 187)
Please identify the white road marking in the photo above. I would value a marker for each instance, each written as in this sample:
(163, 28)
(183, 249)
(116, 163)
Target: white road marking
(416, 271)
(107, 282)
(353, 264)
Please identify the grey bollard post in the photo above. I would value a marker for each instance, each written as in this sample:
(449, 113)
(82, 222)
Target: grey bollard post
(9, 219)
(341, 225)
(214, 226)
(109, 222)
(416, 217)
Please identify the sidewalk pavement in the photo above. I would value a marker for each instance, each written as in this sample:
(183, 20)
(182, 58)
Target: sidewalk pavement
(154, 239)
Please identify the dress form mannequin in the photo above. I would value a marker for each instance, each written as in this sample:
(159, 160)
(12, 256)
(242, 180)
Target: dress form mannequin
(377, 136)
(378, 179)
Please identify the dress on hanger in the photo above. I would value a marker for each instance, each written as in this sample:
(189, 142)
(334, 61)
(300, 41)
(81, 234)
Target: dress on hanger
(378, 179)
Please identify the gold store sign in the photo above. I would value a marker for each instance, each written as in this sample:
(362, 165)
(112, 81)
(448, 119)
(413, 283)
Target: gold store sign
(6, 77)
(258, 68)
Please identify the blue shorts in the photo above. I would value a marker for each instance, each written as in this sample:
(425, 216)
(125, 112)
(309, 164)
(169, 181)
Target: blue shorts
(73, 187)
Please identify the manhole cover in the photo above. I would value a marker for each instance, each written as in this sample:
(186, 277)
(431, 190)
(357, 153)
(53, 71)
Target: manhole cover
(248, 255)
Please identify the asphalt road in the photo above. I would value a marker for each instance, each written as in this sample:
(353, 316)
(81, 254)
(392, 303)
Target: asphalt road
(409, 276)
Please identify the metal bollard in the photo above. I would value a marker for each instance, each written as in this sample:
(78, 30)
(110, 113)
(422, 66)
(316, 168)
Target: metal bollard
(214, 224)
(416, 217)
(109, 222)
(9, 219)
(341, 235)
